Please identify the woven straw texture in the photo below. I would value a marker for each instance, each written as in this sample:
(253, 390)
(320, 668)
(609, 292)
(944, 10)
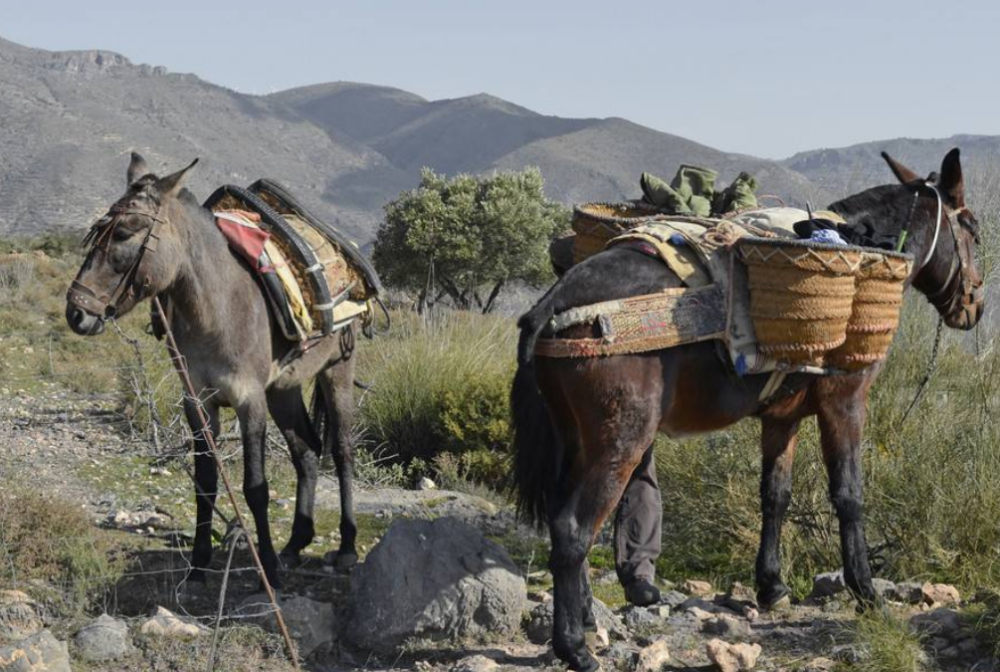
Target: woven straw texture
(874, 318)
(597, 223)
(801, 295)
(339, 274)
(647, 323)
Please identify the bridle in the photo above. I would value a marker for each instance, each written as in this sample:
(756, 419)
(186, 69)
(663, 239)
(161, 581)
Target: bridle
(98, 238)
(967, 293)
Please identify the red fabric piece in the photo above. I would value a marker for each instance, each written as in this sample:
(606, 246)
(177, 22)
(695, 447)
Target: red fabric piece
(248, 241)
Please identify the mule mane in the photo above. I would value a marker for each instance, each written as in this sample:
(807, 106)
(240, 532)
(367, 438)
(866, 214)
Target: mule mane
(885, 208)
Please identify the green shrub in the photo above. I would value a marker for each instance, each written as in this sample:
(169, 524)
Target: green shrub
(440, 386)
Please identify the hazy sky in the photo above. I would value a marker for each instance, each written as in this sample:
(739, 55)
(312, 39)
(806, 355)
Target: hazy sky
(770, 77)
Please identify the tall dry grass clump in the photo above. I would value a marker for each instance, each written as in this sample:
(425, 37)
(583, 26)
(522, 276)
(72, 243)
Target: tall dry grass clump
(439, 388)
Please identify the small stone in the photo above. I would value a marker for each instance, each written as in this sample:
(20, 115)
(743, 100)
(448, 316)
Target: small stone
(478, 663)
(828, 584)
(908, 592)
(732, 657)
(939, 622)
(103, 639)
(598, 640)
(726, 626)
(883, 587)
(697, 588)
(673, 598)
(312, 623)
(539, 628)
(940, 594)
(426, 484)
(41, 652)
(165, 623)
(20, 616)
(653, 657)
(820, 665)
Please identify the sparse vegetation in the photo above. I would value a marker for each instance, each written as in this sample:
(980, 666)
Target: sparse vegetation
(885, 643)
(50, 548)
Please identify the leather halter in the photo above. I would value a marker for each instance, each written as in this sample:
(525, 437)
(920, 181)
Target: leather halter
(105, 305)
(966, 294)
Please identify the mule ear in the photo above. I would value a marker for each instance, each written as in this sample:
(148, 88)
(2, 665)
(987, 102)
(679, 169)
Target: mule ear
(902, 173)
(136, 169)
(951, 183)
(171, 184)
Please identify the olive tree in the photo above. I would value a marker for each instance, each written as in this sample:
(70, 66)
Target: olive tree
(465, 238)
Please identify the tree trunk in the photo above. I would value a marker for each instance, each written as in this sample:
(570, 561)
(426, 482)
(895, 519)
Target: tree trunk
(491, 302)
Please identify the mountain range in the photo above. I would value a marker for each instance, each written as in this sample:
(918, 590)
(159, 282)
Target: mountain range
(70, 119)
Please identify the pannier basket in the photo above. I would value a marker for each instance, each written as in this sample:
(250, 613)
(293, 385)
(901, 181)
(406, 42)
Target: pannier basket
(878, 298)
(801, 295)
(597, 223)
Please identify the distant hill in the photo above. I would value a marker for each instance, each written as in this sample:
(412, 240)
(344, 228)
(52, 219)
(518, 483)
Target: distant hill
(71, 118)
(850, 169)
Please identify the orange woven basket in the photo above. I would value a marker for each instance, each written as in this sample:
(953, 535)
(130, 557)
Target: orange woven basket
(874, 318)
(597, 223)
(801, 295)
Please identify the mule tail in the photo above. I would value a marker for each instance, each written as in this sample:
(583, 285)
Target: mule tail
(538, 449)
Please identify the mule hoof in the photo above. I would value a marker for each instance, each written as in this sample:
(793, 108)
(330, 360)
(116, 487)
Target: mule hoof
(345, 560)
(584, 663)
(775, 599)
(290, 559)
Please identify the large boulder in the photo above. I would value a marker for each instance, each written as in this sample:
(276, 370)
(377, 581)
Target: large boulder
(433, 579)
(104, 638)
(41, 652)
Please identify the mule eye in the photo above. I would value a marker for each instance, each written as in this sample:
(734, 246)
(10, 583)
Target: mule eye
(121, 234)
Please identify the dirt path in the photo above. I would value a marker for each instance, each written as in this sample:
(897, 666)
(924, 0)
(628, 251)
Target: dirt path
(70, 446)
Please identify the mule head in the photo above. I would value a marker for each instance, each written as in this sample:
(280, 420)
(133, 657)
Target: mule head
(943, 236)
(134, 251)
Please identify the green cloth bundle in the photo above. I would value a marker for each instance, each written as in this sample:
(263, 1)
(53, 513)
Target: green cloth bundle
(692, 192)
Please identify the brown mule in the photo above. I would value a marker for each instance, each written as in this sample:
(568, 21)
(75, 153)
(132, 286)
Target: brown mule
(158, 241)
(582, 425)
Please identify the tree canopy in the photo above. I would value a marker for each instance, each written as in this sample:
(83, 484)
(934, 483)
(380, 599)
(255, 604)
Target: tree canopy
(467, 237)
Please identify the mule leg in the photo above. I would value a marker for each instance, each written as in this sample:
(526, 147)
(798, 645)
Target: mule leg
(253, 422)
(289, 413)
(338, 389)
(605, 433)
(206, 478)
(841, 423)
(778, 439)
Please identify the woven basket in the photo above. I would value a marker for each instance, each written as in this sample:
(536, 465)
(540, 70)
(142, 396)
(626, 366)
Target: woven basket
(597, 223)
(875, 315)
(801, 295)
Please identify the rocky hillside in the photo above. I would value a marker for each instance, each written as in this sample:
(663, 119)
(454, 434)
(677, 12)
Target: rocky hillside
(71, 118)
(850, 169)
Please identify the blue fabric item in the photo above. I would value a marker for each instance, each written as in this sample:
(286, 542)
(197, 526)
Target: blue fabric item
(677, 239)
(828, 236)
(741, 365)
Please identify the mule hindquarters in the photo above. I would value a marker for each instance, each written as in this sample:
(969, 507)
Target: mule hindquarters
(604, 414)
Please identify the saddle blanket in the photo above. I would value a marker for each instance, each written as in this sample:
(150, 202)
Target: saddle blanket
(245, 235)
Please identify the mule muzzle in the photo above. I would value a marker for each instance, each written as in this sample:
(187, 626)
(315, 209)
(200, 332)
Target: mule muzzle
(968, 312)
(82, 322)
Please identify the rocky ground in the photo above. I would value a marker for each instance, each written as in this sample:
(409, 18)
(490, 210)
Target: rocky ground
(438, 567)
